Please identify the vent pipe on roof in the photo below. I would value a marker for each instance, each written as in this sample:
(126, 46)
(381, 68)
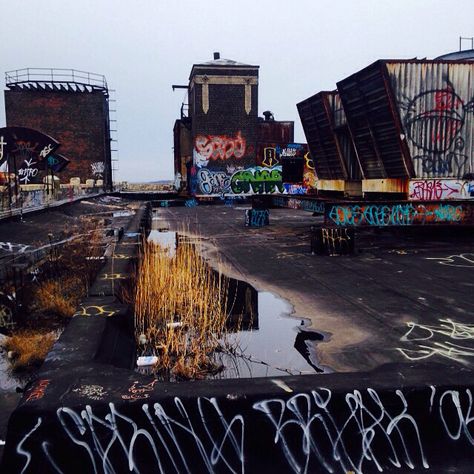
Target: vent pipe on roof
(217, 55)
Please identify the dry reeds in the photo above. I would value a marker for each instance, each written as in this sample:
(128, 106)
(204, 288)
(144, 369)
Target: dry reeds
(59, 297)
(180, 309)
(29, 348)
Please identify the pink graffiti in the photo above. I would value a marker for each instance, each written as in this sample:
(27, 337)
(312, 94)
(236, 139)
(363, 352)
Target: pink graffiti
(220, 147)
(433, 189)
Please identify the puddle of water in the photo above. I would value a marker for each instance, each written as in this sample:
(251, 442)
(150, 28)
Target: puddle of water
(271, 342)
(165, 238)
(278, 345)
(123, 214)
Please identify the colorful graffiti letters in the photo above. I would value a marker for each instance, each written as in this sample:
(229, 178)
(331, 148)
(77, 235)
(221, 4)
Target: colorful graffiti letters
(257, 217)
(439, 189)
(394, 214)
(220, 147)
(257, 180)
(38, 389)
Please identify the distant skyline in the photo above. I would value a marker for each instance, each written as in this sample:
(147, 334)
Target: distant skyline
(145, 46)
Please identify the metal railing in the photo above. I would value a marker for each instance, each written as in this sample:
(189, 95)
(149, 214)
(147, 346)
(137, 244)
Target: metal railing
(55, 76)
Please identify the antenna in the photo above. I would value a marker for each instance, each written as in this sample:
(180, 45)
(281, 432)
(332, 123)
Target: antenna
(466, 38)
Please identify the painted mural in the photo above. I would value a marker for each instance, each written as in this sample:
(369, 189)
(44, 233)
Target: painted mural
(224, 165)
(437, 116)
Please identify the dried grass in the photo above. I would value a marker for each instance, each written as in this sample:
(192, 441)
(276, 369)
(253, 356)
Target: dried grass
(180, 307)
(29, 348)
(58, 297)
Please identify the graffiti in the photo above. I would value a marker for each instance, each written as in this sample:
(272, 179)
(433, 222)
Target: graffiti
(295, 203)
(384, 432)
(98, 169)
(139, 391)
(13, 248)
(33, 198)
(257, 217)
(113, 276)
(308, 161)
(93, 310)
(448, 339)
(270, 157)
(213, 182)
(433, 123)
(257, 180)
(28, 172)
(191, 203)
(317, 431)
(334, 239)
(46, 150)
(6, 317)
(94, 392)
(219, 147)
(106, 438)
(440, 189)
(38, 390)
(463, 260)
(394, 214)
(294, 188)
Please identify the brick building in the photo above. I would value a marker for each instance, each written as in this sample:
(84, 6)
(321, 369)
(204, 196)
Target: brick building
(73, 108)
(221, 145)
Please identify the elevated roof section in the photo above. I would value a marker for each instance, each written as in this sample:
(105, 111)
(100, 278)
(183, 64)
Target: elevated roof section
(56, 80)
(222, 64)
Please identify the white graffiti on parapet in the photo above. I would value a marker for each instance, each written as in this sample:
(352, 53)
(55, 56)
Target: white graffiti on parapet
(368, 424)
(355, 431)
(449, 339)
(188, 446)
(98, 168)
(463, 260)
(14, 248)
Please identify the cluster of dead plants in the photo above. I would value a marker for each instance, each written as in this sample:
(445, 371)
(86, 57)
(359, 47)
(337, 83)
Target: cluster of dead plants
(179, 311)
(27, 348)
(61, 280)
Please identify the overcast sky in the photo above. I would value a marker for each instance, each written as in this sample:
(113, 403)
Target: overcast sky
(144, 46)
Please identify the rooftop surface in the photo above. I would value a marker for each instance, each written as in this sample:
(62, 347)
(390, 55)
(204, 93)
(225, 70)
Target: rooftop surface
(406, 295)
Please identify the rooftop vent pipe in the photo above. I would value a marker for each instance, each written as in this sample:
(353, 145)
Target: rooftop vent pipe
(268, 116)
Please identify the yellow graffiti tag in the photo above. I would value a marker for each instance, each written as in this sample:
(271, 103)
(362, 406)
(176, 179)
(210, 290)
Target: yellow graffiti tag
(95, 311)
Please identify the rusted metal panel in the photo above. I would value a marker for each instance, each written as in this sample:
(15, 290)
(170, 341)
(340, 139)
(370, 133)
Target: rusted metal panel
(316, 116)
(275, 132)
(435, 101)
(402, 213)
(386, 185)
(372, 123)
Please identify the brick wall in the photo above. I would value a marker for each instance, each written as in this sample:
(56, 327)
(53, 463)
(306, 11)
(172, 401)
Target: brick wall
(78, 120)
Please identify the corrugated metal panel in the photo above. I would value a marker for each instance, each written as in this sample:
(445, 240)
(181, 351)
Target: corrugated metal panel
(317, 120)
(373, 123)
(343, 136)
(435, 102)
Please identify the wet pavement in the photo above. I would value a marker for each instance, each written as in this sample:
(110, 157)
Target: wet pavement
(406, 295)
